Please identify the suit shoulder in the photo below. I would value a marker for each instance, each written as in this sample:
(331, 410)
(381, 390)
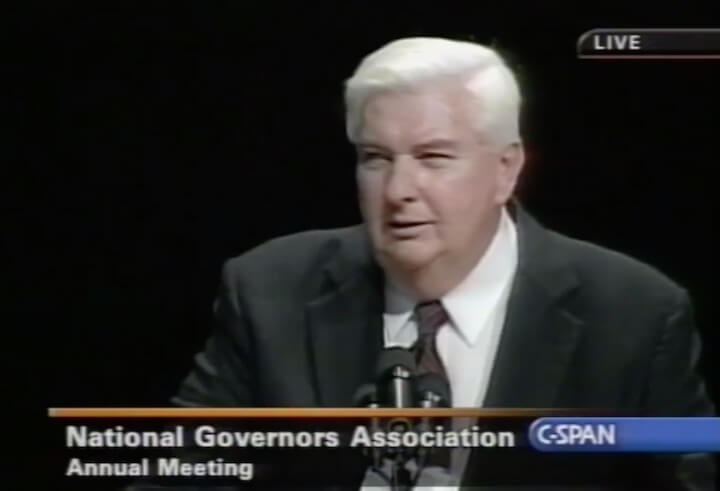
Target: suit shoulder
(290, 257)
(608, 268)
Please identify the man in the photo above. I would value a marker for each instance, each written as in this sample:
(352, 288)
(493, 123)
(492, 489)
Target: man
(449, 264)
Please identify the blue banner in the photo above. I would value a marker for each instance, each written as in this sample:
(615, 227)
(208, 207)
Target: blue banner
(681, 435)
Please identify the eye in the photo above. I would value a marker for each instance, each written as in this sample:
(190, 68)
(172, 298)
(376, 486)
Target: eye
(373, 160)
(436, 159)
(435, 155)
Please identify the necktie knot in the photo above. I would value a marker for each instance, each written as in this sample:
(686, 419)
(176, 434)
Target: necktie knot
(430, 317)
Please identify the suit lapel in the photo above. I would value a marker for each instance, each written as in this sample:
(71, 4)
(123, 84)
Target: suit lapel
(535, 350)
(345, 324)
(540, 333)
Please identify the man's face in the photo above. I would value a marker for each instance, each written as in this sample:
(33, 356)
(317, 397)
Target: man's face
(430, 188)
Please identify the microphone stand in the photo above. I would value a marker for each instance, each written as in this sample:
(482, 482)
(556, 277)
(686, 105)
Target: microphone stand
(401, 478)
(432, 392)
(395, 371)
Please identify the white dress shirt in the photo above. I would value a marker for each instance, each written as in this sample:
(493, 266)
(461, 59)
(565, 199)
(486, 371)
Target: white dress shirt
(467, 344)
(476, 308)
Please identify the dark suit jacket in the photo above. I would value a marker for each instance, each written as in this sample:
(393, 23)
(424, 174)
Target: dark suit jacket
(300, 325)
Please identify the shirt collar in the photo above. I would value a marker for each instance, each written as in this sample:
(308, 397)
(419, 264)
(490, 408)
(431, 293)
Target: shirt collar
(471, 302)
(398, 309)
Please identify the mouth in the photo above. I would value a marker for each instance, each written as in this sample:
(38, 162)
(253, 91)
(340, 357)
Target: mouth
(407, 229)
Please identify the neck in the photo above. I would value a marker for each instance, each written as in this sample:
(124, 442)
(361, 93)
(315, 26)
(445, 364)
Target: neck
(440, 276)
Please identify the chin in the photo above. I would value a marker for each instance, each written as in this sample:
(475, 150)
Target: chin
(410, 256)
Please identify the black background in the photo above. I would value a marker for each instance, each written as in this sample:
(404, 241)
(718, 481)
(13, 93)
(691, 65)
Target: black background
(159, 139)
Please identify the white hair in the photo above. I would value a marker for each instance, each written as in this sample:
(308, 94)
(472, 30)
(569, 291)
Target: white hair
(412, 62)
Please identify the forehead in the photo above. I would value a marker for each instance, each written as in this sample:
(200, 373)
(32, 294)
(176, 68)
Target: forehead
(413, 115)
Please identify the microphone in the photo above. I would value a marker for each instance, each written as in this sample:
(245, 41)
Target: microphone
(395, 371)
(432, 390)
(367, 395)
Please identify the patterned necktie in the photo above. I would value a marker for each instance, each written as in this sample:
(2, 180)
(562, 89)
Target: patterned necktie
(430, 317)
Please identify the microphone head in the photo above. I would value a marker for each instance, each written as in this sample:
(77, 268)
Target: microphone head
(365, 395)
(433, 387)
(395, 357)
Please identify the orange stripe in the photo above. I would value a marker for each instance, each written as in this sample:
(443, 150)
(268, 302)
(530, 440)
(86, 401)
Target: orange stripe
(144, 412)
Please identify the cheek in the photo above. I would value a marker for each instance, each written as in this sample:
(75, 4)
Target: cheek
(369, 195)
(462, 208)
(455, 200)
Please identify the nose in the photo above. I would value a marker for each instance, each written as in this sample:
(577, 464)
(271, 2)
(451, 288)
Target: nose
(400, 184)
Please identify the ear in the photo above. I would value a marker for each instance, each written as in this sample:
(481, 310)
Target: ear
(512, 160)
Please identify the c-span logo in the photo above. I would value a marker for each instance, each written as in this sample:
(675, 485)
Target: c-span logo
(677, 435)
(571, 434)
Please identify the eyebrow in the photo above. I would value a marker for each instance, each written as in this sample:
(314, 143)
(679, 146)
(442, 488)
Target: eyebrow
(436, 143)
(428, 145)
(370, 146)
